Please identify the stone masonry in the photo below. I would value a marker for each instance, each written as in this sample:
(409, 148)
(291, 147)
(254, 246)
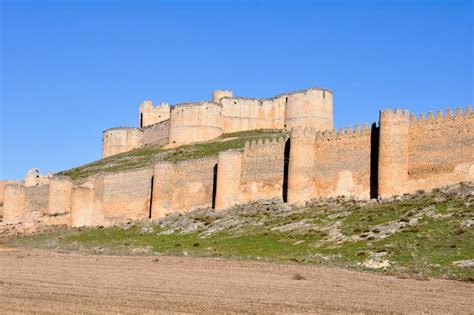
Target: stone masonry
(399, 155)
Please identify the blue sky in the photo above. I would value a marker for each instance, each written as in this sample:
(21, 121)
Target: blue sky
(71, 69)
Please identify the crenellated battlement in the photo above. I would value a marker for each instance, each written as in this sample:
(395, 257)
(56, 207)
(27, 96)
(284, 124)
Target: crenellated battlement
(150, 115)
(448, 115)
(343, 133)
(394, 114)
(263, 146)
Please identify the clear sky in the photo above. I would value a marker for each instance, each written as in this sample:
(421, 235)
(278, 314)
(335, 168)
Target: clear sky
(71, 69)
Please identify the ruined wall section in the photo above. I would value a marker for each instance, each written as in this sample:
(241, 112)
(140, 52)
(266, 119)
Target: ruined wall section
(86, 204)
(440, 149)
(3, 183)
(120, 139)
(25, 204)
(342, 164)
(218, 95)
(241, 114)
(150, 115)
(14, 207)
(157, 134)
(195, 122)
(263, 165)
(37, 198)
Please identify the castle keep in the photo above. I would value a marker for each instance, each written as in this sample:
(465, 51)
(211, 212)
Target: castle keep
(401, 154)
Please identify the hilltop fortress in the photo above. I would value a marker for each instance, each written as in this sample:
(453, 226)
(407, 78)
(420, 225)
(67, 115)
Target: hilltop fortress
(401, 154)
(201, 121)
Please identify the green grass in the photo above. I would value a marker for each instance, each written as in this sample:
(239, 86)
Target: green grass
(226, 142)
(425, 249)
(146, 157)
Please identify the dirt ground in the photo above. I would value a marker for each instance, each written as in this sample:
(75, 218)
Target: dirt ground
(48, 282)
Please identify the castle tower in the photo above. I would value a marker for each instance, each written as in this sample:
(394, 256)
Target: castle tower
(86, 206)
(301, 165)
(163, 186)
(229, 169)
(14, 206)
(118, 140)
(393, 152)
(195, 122)
(309, 108)
(150, 115)
(219, 94)
(59, 195)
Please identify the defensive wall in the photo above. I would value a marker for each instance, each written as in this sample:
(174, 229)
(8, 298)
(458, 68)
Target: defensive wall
(201, 121)
(399, 155)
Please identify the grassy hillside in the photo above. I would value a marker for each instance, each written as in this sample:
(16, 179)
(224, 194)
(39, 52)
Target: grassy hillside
(144, 157)
(423, 235)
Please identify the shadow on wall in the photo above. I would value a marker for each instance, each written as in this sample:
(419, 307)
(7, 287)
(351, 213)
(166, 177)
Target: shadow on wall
(374, 160)
(151, 196)
(285, 171)
(214, 186)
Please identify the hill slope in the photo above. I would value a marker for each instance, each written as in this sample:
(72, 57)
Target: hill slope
(146, 157)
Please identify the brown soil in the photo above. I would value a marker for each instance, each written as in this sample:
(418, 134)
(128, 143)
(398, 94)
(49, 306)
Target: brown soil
(48, 282)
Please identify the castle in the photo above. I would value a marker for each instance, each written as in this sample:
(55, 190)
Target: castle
(401, 154)
(201, 121)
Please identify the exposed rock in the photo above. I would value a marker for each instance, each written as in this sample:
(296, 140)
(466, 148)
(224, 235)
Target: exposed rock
(377, 261)
(293, 226)
(464, 263)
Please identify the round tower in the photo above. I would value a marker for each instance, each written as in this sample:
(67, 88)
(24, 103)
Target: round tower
(393, 152)
(118, 140)
(14, 206)
(195, 122)
(309, 108)
(163, 189)
(219, 94)
(301, 165)
(60, 195)
(229, 168)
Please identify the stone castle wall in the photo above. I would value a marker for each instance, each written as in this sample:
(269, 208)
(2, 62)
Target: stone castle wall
(2, 189)
(343, 163)
(438, 144)
(242, 114)
(126, 195)
(201, 121)
(14, 207)
(195, 179)
(3, 183)
(401, 155)
(440, 150)
(86, 205)
(263, 166)
(157, 134)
